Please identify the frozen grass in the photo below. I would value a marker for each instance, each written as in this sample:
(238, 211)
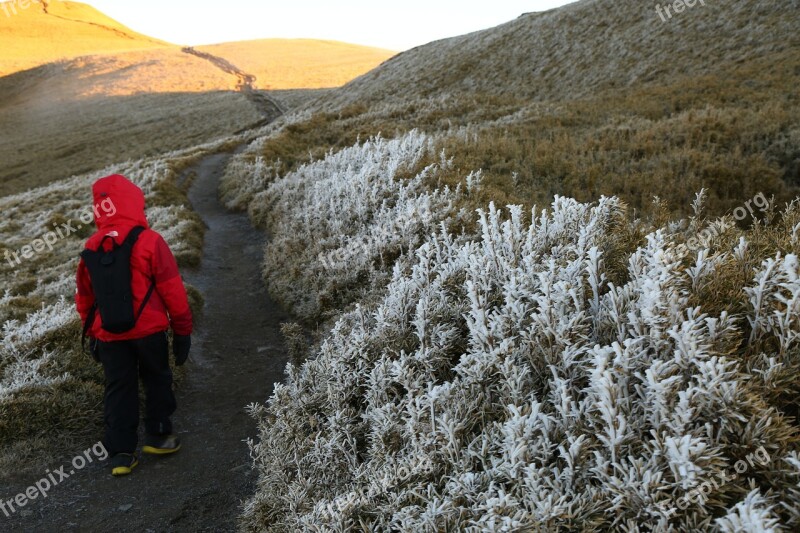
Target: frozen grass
(372, 206)
(570, 370)
(580, 368)
(592, 366)
(598, 98)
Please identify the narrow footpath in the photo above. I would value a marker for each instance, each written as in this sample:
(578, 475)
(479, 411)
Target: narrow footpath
(237, 355)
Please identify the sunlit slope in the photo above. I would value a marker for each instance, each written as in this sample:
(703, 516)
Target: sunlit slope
(300, 63)
(161, 70)
(49, 31)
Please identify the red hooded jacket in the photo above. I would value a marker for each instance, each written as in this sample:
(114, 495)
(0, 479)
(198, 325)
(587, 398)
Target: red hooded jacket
(119, 207)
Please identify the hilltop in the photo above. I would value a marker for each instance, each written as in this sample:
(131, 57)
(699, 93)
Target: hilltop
(46, 31)
(582, 50)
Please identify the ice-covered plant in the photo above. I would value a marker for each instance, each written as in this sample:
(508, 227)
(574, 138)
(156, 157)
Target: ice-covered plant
(505, 383)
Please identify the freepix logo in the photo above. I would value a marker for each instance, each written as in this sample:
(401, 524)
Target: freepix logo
(678, 6)
(13, 7)
(52, 479)
(759, 201)
(106, 208)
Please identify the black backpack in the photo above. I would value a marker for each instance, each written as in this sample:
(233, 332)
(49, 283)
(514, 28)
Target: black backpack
(110, 274)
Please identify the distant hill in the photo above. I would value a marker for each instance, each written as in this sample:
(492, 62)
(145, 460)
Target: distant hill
(48, 31)
(80, 91)
(300, 63)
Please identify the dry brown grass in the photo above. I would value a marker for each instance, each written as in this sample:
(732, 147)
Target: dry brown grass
(725, 132)
(51, 130)
(733, 131)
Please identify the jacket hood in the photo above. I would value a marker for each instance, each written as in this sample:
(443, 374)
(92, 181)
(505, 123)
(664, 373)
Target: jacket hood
(118, 203)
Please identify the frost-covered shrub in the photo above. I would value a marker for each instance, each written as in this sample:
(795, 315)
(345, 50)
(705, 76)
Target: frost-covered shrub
(515, 381)
(339, 224)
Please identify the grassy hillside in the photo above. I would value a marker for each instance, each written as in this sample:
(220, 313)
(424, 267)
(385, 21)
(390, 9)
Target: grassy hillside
(604, 364)
(592, 99)
(47, 31)
(580, 50)
(75, 117)
(129, 96)
(300, 63)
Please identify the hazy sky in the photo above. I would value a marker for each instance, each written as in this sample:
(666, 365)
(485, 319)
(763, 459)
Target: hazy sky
(396, 25)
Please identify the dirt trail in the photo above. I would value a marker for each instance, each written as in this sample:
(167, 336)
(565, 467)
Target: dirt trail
(237, 355)
(265, 105)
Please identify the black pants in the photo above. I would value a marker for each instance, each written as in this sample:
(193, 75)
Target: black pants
(124, 362)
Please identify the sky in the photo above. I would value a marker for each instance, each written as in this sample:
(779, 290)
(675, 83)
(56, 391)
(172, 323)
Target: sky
(394, 25)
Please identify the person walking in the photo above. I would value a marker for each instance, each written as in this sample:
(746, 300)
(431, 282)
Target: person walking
(129, 294)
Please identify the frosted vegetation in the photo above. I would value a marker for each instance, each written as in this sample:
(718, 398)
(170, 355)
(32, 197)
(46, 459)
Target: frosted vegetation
(370, 207)
(49, 391)
(559, 369)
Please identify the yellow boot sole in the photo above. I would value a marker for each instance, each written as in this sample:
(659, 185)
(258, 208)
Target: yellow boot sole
(150, 450)
(124, 470)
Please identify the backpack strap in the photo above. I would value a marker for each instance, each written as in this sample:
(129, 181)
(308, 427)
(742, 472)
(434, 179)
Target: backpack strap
(88, 324)
(146, 299)
(132, 237)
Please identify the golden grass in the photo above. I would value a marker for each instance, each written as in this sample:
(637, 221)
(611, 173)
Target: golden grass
(129, 96)
(300, 63)
(30, 37)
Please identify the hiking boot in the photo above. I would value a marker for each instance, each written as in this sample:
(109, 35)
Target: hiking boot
(161, 444)
(123, 463)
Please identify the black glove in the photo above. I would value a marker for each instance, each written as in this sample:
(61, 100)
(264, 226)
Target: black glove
(94, 349)
(181, 344)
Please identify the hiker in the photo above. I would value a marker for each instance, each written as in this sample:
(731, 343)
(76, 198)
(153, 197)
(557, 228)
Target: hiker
(129, 294)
